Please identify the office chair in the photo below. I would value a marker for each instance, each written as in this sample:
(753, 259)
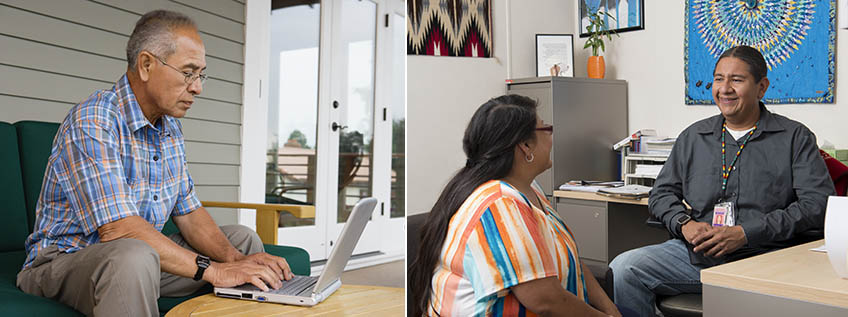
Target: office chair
(681, 305)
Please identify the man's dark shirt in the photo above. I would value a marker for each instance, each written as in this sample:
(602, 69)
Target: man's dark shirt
(779, 184)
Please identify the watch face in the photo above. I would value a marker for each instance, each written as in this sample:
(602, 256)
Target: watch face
(202, 261)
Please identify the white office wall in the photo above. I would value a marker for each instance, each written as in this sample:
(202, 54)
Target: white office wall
(651, 61)
(443, 92)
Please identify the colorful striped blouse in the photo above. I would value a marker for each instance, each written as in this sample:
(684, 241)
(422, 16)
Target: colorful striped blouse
(497, 240)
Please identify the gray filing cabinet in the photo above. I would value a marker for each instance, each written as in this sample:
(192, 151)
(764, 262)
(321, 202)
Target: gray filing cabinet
(605, 229)
(589, 116)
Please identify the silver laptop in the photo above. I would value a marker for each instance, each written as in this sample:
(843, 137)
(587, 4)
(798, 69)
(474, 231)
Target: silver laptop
(311, 290)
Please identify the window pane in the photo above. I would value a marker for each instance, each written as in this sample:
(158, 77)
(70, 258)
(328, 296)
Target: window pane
(358, 36)
(293, 108)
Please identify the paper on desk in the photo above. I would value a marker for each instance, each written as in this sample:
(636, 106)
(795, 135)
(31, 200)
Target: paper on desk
(821, 248)
(631, 189)
(580, 188)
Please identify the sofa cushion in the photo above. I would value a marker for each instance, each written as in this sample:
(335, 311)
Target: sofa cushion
(297, 258)
(17, 303)
(13, 228)
(35, 140)
(10, 264)
(14, 302)
(168, 303)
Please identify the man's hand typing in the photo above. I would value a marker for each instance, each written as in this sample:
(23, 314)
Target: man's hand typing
(233, 274)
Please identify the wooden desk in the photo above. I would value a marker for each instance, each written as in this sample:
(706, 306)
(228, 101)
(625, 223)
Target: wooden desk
(349, 300)
(596, 197)
(604, 227)
(790, 282)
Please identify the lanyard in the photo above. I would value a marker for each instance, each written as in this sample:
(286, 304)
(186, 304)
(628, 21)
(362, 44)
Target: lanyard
(725, 172)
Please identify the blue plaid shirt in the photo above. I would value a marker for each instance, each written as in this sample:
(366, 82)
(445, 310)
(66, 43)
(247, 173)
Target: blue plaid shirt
(109, 162)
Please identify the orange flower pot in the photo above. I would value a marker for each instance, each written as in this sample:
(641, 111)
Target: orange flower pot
(596, 67)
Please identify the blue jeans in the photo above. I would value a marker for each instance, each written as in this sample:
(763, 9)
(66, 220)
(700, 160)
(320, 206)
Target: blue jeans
(664, 269)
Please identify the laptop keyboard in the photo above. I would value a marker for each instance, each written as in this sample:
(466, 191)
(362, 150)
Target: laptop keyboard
(295, 286)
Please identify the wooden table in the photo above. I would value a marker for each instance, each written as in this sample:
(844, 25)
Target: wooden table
(790, 282)
(349, 300)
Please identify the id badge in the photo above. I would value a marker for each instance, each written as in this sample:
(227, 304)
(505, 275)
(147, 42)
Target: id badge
(723, 214)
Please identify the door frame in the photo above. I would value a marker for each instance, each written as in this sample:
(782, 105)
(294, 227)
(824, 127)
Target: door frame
(254, 108)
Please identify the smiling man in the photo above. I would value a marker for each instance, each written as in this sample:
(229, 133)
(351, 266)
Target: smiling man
(754, 180)
(117, 173)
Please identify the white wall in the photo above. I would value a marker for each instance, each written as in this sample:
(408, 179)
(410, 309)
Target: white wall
(443, 92)
(651, 61)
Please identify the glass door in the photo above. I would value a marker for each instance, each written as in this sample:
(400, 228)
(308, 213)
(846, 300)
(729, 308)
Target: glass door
(325, 147)
(354, 68)
(293, 146)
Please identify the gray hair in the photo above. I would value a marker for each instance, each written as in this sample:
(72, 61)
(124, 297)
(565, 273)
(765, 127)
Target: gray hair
(154, 33)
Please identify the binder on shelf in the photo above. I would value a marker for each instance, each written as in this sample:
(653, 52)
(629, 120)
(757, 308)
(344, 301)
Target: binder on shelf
(634, 140)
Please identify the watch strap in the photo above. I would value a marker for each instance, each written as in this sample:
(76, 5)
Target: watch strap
(202, 264)
(679, 222)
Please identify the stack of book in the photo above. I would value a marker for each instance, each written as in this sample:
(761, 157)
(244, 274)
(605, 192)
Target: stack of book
(648, 170)
(657, 145)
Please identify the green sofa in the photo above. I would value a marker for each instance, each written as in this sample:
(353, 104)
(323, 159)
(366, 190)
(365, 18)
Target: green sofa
(24, 149)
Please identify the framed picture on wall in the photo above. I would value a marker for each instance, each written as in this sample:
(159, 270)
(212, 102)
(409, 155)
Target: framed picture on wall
(554, 55)
(628, 14)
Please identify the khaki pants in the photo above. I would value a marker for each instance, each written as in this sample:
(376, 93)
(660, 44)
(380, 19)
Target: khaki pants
(117, 278)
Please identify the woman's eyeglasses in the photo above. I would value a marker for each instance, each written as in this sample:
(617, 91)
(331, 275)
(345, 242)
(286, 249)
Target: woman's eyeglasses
(547, 128)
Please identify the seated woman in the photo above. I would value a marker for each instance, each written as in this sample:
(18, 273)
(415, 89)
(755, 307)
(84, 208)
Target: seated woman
(493, 245)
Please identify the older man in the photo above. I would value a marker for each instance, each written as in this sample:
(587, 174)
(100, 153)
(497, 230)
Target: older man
(117, 172)
(754, 179)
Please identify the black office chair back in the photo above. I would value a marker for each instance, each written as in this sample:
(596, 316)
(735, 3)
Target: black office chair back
(413, 236)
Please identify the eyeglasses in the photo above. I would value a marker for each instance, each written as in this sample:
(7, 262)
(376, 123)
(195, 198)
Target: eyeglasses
(189, 77)
(547, 128)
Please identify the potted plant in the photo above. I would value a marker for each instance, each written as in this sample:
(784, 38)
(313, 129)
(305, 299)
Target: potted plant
(598, 29)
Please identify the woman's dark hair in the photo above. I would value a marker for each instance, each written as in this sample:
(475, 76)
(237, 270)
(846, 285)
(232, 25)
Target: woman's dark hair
(489, 144)
(751, 56)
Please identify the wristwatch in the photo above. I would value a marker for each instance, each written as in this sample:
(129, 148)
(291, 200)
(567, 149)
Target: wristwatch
(202, 264)
(682, 221)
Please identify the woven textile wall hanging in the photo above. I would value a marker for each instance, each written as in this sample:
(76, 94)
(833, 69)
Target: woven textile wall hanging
(797, 39)
(449, 28)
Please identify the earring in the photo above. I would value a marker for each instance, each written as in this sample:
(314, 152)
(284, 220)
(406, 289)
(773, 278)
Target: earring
(530, 160)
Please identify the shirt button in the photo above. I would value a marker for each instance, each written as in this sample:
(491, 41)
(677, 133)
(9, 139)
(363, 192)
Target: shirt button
(155, 197)
(156, 158)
